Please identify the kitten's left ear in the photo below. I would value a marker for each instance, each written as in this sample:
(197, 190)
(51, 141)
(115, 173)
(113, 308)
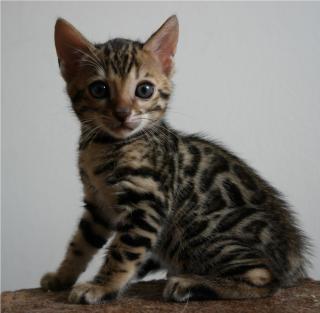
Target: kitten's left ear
(163, 43)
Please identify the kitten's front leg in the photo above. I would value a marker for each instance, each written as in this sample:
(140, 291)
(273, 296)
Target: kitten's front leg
(91, 235)
(137, 234)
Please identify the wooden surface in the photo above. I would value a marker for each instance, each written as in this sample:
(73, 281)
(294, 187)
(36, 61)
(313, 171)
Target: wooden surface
(146, 297)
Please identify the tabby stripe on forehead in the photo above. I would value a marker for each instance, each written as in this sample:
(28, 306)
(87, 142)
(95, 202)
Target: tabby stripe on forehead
(106, 63)
(114, 68)
(218, 165)
(124, 64)
(233, 192)
(130, 64)
(117, 63)
(90, 236)
(235, 217)
(137, 67)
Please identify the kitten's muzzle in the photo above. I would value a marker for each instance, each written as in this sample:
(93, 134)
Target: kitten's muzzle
(124, 119)
(127, 124)
(122, 113)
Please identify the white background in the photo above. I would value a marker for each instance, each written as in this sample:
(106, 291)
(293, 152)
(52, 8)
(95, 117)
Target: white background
(247, 74)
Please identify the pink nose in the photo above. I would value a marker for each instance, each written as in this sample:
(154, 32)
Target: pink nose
(122, 113)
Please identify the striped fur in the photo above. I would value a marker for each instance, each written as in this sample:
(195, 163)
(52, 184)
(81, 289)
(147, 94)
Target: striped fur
(170, 200)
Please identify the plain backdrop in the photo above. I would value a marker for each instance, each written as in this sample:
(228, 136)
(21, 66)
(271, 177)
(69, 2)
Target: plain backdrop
(247, 74)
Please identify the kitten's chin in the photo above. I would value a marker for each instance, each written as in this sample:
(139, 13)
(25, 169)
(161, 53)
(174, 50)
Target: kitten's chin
(125, 131)
(122, 133)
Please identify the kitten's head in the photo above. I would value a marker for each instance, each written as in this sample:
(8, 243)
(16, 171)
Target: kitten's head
(119, 87)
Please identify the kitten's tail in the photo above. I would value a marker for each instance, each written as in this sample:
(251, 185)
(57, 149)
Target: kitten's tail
(255, 283)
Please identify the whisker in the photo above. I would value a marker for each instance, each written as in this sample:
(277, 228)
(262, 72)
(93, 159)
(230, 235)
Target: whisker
(177, 112)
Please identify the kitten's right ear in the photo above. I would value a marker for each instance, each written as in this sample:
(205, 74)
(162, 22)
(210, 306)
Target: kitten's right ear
(70, 46)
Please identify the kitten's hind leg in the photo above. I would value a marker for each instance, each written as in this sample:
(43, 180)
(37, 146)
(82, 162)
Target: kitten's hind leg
(149, 266)
(254, 283)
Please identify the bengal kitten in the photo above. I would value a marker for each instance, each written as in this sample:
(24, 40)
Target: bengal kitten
(165, 199)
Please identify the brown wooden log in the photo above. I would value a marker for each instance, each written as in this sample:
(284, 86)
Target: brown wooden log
(145, 297)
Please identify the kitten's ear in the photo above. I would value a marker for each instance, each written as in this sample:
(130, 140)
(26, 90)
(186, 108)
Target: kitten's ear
(70, 46)
(163, 43)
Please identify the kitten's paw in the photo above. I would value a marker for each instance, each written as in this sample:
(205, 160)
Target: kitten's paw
(182, 289)
(176, 290)
(89, 293)
(51, 281)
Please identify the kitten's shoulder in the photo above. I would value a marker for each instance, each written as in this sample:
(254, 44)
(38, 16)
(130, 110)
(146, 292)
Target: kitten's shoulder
(206, 144)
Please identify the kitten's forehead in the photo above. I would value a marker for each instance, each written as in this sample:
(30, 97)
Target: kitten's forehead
(121, 45)
(121, 55)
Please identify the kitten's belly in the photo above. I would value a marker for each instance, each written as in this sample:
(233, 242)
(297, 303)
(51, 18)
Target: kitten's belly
(188, 242)
(180, 252)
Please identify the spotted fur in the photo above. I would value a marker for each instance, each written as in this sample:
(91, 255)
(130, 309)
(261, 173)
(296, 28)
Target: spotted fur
(170, 200)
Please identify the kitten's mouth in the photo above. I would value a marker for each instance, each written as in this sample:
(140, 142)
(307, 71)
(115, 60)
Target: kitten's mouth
(123, 129)
(126, 126)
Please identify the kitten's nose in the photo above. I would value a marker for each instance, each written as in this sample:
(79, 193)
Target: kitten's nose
(122, 113)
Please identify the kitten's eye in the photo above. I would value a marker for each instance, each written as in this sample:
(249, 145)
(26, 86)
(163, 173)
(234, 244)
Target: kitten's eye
(144, 90)
(99, 89)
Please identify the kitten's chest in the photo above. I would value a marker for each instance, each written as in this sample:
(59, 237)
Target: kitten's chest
(98, 163)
